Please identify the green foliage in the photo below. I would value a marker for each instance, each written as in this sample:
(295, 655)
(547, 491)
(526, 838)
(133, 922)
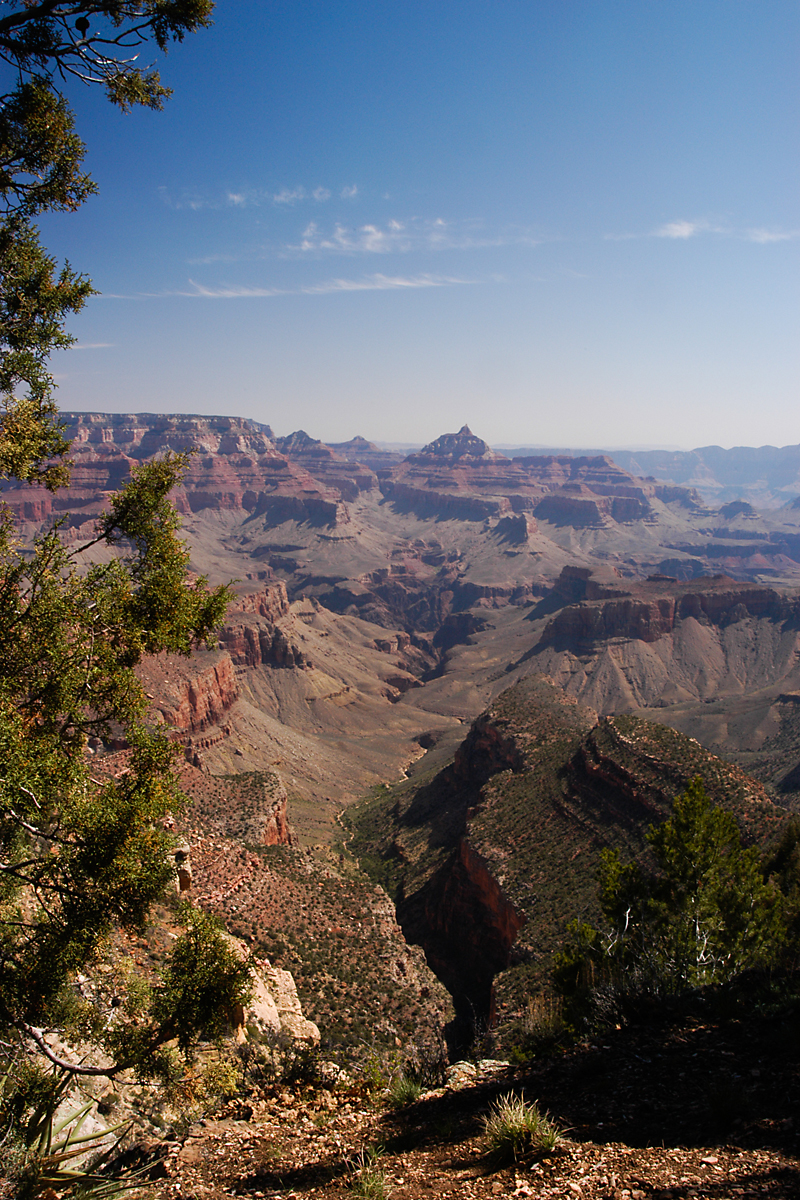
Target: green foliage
(93, 42)
(781, 868)
(40, 153)
(404, 1090)
(704, 916)
(40, 1148)
(539, 1030)
(515, 1128)
(368, 1179)
(84, 856)
(35, 299)
(41, 158)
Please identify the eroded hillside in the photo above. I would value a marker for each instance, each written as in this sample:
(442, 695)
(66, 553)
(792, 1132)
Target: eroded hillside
(383, 600)
(491, 857)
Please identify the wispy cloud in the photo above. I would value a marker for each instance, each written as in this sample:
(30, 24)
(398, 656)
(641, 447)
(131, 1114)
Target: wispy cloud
(249, 197)
(681, 230)
(765, 236)
(289, 195)
(92, 346)
(368, 283)
(401, 236)
(382, 283)
(349, 193)
(194, 201)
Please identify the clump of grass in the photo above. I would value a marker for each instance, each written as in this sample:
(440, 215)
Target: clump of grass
(515, 1128)
(369, 1180)
(404, 1090)
(540, 1029)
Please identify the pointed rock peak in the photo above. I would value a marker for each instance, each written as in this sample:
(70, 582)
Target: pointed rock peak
(298, 440)
(356, 443)
(463, 444)
(300, 445)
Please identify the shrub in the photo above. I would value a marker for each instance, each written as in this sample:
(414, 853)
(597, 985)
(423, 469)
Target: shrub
(368, 1179)
(539, 1030)
(704, 917)
(515, 1128)
(404, 1090)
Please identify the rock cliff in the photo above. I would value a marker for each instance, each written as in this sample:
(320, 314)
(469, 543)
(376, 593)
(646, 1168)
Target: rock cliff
(492, 858)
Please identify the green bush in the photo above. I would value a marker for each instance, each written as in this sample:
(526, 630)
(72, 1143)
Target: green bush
(368, 1179)
(404, 1090)
(515, 1128)
(706, 915)
(539, 1030)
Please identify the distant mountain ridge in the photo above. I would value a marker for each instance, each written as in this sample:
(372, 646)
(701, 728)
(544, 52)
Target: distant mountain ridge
(766, 476)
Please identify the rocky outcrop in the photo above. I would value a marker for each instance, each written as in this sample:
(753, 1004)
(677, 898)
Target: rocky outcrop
(516, 530)
(456, 446)
(651, 609)
(272, 602)
(347, 476)
(274, 1010)
(579, 626)
(359, 450)
(566, 508)
(249, 809)
(283, 991)
(487, 749)
(190, 695)
(257, 644)
(424, 501)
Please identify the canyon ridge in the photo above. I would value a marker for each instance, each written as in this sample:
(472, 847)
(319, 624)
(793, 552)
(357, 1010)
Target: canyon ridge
(383, 608)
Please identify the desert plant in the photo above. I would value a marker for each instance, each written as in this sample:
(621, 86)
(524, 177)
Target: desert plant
(302, 1065)
(539, 1030)
(404, 1090)
(39, 1150)
(704, 917)
(514, 1128)
(222, 1080)
(368, 1179)
(375, 1070)
(426, 1057)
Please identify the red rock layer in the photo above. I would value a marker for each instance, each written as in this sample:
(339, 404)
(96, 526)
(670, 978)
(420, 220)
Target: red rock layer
(650, 612)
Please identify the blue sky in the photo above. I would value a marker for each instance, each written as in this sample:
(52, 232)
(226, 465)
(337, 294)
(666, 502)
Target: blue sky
(566, 223)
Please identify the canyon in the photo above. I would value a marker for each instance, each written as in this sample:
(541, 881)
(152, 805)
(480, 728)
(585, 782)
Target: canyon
(484, 647)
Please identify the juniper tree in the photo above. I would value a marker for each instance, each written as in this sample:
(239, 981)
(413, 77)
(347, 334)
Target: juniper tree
(704, 915)
(82, 854)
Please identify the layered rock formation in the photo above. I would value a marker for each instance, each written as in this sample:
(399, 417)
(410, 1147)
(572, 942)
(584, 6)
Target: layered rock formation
(450, 549)
(492, 858)
(274, 1012)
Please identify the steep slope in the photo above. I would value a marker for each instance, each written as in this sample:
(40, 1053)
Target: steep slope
(296, 689)
(491, 857)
